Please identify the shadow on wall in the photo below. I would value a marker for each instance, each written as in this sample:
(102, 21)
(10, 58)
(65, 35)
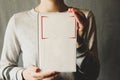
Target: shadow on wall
(107, 14)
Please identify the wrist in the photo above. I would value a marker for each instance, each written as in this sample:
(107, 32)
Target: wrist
(23, 74)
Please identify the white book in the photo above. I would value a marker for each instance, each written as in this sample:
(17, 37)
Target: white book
(57, 42)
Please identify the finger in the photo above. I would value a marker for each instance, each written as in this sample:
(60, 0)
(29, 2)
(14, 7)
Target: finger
(77, 18)
(55, 77)
(77, 13)
(72, 10)
(49, 78)
(69, 10)
(37, 76)
(34, 68)
(49, 74)
(81, 19)
(81, 27)
(43, 74)
(37, 69)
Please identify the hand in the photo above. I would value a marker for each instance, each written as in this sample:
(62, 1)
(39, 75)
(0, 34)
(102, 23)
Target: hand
(34, 73)
(82, 23)
(80, 18)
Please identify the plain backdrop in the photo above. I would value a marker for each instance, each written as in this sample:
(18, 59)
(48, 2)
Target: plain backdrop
(107, 15)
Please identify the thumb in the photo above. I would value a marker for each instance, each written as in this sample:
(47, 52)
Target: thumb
(35, 69)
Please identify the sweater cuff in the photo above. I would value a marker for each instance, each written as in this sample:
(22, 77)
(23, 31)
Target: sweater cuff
(16, 73)
(19, 74)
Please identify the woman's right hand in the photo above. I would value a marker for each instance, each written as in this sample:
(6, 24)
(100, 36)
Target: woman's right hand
(34, 73)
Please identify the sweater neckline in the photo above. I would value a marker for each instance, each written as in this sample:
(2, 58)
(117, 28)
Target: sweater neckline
(33, 12)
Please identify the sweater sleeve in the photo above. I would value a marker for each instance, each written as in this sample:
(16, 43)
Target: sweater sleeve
(89, 45)
(9, 69)
(88, 63)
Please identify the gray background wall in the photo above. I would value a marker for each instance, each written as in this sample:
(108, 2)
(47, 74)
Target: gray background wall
(107, 14)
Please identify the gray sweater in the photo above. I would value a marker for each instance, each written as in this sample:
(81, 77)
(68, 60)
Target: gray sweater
(21, 39)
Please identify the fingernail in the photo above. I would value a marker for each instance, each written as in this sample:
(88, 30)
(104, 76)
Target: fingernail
(69, 10)
(37, 70)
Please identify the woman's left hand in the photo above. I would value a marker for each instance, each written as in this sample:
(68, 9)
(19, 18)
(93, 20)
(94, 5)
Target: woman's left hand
(82, 23)
(80, 18)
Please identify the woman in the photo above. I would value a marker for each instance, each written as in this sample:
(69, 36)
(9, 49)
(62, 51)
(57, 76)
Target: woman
(20, 38)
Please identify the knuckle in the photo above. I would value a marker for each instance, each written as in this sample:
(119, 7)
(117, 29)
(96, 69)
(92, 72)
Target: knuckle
(41, 77)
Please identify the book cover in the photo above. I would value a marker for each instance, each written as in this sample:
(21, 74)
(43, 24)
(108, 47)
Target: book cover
(57, 42)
